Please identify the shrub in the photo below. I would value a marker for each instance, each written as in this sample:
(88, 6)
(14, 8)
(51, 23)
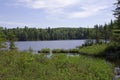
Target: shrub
(27, 66)
(59, 51)
(44, 50)
(74, 51)
(94, 49)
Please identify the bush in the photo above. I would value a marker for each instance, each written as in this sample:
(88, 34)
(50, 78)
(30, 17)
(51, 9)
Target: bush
(27, 66)
(94, 49)
(88, 42)
(44, 50)
(59, 51)
(74, 51)
(114, 50)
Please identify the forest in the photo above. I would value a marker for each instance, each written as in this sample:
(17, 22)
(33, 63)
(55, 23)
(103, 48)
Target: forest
(34, 34)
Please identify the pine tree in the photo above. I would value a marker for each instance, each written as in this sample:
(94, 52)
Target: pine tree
(116, 31)
(117, 13)
(97, 34)
(11, 39)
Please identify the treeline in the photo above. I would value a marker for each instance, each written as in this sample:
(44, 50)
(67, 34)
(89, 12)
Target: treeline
(30, 34)
(35, 34)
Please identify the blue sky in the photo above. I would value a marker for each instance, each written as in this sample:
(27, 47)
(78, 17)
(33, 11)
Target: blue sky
(55, 13)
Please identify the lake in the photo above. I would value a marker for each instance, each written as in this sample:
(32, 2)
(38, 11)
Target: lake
(37, 45)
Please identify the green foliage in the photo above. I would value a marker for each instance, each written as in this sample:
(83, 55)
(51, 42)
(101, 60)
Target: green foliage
(2, 39)
(65, 51)
(117, 13)
(26, 66)
(12, 45)
(97, 34)
(59, 51)
(2, 45)
(44, 50)
(116, 31)
(11, 38)
(30, 34)
(25, 34)
(74, 51)
(94, 49)
(116, 36)
(114, 50)
(88, 42)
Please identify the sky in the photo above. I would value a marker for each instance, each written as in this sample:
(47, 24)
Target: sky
(55, 13)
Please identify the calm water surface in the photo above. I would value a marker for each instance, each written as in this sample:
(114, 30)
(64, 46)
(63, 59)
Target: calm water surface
(37, 45)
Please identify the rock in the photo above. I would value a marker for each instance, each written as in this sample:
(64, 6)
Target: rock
(117, 73)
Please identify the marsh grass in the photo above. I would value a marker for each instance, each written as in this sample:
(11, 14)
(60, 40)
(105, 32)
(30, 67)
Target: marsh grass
(16, 65)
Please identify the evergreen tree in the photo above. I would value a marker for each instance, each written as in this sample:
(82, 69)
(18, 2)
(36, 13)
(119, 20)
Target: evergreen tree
(117, 13)
(2, 39)
(105, 33)
(116, 31)
(97, 34)
(11, 39)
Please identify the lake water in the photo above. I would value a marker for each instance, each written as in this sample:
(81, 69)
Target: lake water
(37, 45)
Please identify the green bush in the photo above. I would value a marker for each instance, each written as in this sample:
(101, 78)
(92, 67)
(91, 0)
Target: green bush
(44, 50)
(74, 51)
(59, 51)
(94, 49)
(16, 65)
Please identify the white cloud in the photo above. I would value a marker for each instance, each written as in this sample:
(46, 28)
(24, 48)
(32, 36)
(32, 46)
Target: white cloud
(91, 8)
(58, 7)
(52, 7)
(87, 12)
(48, 4)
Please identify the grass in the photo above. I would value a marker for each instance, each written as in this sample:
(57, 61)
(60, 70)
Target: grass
(118, 78)
(16, 65)
(94, 49)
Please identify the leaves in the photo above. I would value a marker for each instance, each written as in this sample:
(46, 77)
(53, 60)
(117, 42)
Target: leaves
(27, 66)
